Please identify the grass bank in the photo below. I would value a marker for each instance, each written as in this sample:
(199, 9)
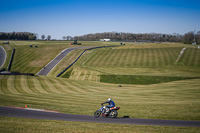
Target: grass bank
(177, 100)
(16, 125)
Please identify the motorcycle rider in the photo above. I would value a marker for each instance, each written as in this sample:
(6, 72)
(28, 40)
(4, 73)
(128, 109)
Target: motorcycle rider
(111, 104)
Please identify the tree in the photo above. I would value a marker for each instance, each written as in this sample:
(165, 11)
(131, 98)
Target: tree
(43, 37)
(69, 38)
(188, 37)
(64, 37)
(198, 37)
(48, 37)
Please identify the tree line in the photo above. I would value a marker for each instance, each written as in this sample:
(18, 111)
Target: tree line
(145, 37)
(18, 36)
(187, 38)
(43, 37)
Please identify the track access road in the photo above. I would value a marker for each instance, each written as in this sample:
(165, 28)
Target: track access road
(56, 60)
(27, 113)
(2, 56)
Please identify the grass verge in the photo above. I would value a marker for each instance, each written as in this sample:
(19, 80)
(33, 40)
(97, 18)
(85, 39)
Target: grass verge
(68, 73)
(177, 100)
(22, 125)
(140, 79)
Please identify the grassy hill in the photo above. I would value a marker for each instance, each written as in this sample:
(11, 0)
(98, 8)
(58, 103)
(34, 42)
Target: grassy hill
(156, 61)
(174, 100)
(79, 94)
(32, 60)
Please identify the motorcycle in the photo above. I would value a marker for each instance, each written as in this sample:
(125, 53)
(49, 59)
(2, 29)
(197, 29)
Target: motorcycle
(112, 112)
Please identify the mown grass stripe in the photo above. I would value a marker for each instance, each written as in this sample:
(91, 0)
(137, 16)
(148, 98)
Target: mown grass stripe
(32, 85)
(1, 92)
(147, 58)
(96, 58)
(44, 85)
(85, 89)
(134, 58)
(65, 86)
(119, 58)
(91, 57)
(20, 54)
(164, 58)
(38, 86)
(127, 60)
(153, 58)
(140, 58)
(25, 86)
(171, 54)
(20, 65)
(190, 59)
(10, 85)
(51, 86)
(193, 57)
(197, 60)
(188, 55)
(116, 55)
(157, 59)
(17, 84)
(111, 57)
(102, 60)
(5, 86)
(74, 88)
(58, 86)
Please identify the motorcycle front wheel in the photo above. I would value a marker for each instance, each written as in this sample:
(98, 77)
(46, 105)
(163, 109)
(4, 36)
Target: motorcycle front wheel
(97, 113)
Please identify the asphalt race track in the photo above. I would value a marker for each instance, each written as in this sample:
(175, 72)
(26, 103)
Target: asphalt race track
(2, 56)
(28, 113)
(56, 60)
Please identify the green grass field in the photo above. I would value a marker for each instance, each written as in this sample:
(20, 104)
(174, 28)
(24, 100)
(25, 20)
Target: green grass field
(82, 92)
(174, 100)
(16, 125)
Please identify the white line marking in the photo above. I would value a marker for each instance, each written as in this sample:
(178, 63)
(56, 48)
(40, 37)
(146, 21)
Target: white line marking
(181, 53)
(43, 110)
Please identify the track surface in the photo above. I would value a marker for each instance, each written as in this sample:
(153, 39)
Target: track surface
(25, 113)
(2, 56)
(56, 60)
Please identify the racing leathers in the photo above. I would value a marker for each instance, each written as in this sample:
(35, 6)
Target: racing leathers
(111, 104)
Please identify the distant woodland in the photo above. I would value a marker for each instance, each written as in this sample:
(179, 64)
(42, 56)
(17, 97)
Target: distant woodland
(187, 38)
(18, 36)
(145, 37)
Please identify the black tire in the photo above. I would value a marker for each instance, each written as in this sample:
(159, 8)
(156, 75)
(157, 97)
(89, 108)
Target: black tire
(97, 113)
(114, 113)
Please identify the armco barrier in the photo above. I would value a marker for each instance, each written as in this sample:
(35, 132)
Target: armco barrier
(79, 57)
(3, 69)
(11, 59)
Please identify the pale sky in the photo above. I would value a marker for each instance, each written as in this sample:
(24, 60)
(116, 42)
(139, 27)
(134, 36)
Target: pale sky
(60, 18)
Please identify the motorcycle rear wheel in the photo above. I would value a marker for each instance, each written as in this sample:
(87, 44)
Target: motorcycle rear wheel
(114, 113)
(97, 113)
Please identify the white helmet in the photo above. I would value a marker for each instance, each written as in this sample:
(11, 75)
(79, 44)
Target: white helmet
(109, 99)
